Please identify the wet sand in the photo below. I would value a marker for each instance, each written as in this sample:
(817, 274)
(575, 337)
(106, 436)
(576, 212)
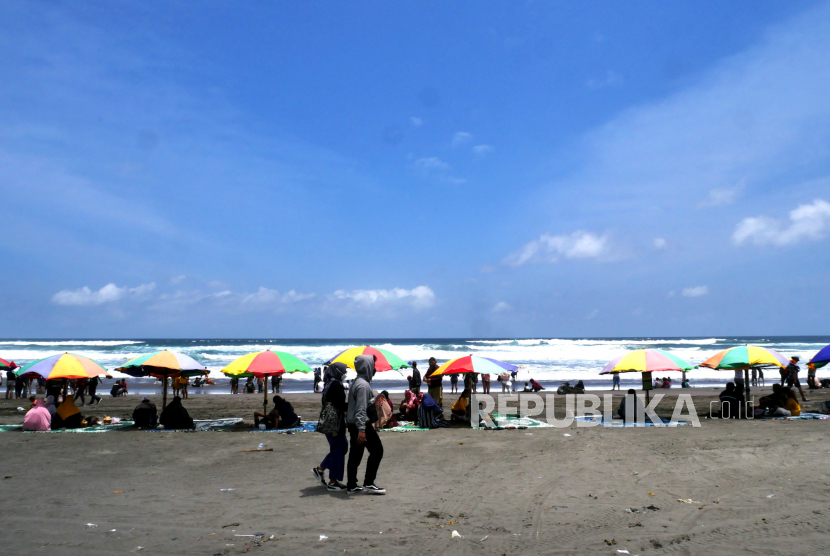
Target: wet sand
(757, 487)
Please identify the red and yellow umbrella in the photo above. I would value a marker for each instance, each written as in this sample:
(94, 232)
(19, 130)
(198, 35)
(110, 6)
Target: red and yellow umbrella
(387, 361)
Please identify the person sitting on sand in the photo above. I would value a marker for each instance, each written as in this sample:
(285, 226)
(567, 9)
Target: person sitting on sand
(667, 382)
(731, 401)
(773, 402)
(145, 414)
(175, 416)
(461, 408)
(38, 418)
(409, 406)
(527, 387)
(791, 403)
(535, 386)
(249, 385)
(631, 409)
(281, 417)
(49, 404)
(68, 414)
(386, 419)
(430, 414)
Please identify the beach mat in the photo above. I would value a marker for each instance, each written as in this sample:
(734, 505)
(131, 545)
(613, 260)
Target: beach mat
(405, 426)
(100, 428)
(615, 423)
(202, 425)
(9, 428)
(307, 426)
(507, 422)
(803, 415)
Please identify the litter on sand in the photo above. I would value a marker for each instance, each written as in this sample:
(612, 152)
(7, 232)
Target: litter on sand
(323, 537)
(226, 489)
(91, 526)
(566, 434)
(688, 501)
(485, 537)
(456, 534)
(622, 551)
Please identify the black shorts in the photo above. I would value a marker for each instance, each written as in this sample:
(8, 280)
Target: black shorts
(793, 381)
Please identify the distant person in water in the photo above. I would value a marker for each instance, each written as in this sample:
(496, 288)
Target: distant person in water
(145, 414)
(175, 416)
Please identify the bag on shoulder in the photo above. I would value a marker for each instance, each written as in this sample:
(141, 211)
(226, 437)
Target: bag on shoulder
(329, 421)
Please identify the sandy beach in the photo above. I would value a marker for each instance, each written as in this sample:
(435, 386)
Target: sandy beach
(753, 486)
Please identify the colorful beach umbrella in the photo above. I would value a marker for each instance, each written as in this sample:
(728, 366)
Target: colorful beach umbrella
(67, 366)
(387, 361)
(7, 365)
(473, 364)
(745, 357)
(822, 357)
(264, 364)
(646, 361)
(162, 364)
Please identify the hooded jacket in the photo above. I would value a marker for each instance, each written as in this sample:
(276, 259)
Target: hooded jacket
(360, 394)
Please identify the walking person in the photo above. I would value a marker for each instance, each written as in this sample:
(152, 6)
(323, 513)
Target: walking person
(792, 376)
(485, 382)
(92, 389)
(335, 461)
(363, 434)
(436, 385)
(260, 385)
(317, 379)
(514, 379)
(80, 388)
(275, 384)
(615, 383)
(504, 378)
(761, 377)
(415, 378)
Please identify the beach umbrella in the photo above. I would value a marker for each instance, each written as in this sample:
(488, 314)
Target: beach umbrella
(387, 361)
(821, 358)
(62, 366)
(7, 365)
(646, 361)
(163, 364)
(473, 364)
(745, 358)
(66, 366)
(264, 364)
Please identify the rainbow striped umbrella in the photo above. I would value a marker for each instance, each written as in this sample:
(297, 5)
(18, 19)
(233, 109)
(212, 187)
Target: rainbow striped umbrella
(473, 364)
(266, 363)
(745, 357)
(67, 366)
(822, 357)
(646, 361)
(7, 365)
(163, 364)
(387, 361)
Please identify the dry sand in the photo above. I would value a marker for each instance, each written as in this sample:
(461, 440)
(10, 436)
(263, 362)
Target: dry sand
(758, 487)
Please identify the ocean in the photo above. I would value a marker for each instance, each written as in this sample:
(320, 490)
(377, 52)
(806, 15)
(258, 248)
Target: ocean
(548, 360)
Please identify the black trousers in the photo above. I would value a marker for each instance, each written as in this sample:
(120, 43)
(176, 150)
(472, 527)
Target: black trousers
(375, 447)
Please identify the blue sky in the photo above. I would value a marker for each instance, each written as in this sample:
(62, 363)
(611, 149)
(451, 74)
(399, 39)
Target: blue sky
(414, 169)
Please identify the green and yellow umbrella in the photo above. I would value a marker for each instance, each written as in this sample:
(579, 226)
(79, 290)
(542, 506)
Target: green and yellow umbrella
(163, 364)
(745, 357)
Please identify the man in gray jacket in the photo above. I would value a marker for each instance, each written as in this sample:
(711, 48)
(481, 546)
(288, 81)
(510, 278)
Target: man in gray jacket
(361, 430)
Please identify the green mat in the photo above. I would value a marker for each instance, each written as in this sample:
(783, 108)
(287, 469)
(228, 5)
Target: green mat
(515, 422)
(405, 427)
(7, 428)
(100, 428)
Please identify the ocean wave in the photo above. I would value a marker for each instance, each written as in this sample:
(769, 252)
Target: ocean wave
(99, 343)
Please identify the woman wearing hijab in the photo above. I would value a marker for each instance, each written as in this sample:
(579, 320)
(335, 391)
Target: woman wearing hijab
(430, 414)
(409, 406)
(335, 461)
(37, 418)
(68, 414)
(386, 420)
(175, 416)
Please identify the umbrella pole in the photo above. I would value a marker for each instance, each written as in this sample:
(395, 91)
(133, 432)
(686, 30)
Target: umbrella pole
(65, 389)
(746, 387)
(265, 396)
(164, 393)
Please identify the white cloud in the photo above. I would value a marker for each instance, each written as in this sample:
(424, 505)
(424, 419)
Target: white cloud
(177, 279)
(265, 296)
(431, 163)
(421, 297)
(460, 138)
(548, 248)
(672, 293)
(592, 315)
(724, 196)
(482, 150)
(501, 307)
(660, 243)
(807, 222)
(697, 291)
(107, 294)
(416, 121)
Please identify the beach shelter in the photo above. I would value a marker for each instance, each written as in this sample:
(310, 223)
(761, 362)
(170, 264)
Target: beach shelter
(473, 364)
(7, 365)
(387, 361)
(264, 364)
(821, 358)
(646, 361)
(163, 364)
(62, 366)
(745, 358)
